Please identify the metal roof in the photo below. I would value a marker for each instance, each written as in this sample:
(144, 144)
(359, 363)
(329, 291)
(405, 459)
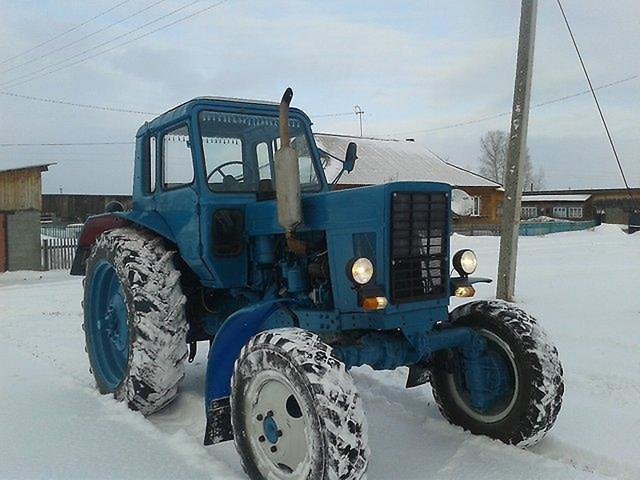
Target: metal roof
(555, 198)
(8, 165)
(383, 161)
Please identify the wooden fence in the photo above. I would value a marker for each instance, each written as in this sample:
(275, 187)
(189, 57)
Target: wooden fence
(58, 253)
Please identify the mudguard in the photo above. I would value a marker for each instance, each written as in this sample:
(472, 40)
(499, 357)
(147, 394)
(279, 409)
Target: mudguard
(98, 224)
(234, 334)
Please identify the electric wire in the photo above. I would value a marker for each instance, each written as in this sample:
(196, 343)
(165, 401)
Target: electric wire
(63, 33)
(63, 47)
(499, 115)
(63, 144)
(14, 82)
(595, 98)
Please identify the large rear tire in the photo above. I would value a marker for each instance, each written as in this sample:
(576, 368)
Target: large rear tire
(134, 319)
(525, 372)
(295, 410)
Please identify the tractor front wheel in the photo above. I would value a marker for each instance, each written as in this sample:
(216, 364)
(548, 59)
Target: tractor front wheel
(511, 391)
(295, 411)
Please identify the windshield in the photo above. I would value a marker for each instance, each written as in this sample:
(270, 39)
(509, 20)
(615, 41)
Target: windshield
(239, 151)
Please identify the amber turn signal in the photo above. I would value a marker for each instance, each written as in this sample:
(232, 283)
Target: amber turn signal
(466, 291)
(374, 303)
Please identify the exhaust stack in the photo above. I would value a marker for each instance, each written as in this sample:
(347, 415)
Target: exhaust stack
(287, 173)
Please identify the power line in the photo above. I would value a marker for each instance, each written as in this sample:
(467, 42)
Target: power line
(123, 110)
(83, 105)
(334, 114)
(35, 59)
(79, 144)
(63, 33)
(46, 67)
(595, 98)
(498, 115)
(10, 84)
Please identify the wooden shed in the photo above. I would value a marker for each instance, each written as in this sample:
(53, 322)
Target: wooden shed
(20, 206)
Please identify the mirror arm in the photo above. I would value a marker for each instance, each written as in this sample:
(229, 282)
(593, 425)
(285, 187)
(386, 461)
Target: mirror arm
(324, 152)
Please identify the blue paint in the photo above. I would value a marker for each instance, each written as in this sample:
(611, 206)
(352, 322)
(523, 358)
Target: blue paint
(231, 337)
(270, 428)
(108, 330)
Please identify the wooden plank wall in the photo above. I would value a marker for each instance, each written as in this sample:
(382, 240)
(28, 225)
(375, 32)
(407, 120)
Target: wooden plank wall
(3, 242)
(21, 190)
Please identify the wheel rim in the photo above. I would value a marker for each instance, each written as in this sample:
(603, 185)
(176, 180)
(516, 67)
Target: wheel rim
(277, 426)
(499, 354)
(108, 325)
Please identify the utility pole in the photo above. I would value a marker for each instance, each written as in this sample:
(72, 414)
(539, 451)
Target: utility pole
(517, 152)
(359, 112)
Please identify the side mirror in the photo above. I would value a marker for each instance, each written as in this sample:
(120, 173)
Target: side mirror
(461, 203)
(350, 157)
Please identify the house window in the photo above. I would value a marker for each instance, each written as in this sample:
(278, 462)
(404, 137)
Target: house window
(575, 212)
(560, 212)
(476, 207)
(529, 212)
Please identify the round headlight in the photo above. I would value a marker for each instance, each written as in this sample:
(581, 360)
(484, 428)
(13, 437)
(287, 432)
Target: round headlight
(465, 262)
(362, 270)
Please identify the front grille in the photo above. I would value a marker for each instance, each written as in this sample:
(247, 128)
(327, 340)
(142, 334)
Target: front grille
(419, 237)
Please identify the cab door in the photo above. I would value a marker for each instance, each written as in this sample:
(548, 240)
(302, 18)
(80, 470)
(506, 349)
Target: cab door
(177, 198)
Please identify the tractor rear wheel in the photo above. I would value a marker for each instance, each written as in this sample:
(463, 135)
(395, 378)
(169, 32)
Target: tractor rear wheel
(522, 390)
(295, 410)
(134, 319)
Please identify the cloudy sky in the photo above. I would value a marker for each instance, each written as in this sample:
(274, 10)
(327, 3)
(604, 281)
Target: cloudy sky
(413, 66)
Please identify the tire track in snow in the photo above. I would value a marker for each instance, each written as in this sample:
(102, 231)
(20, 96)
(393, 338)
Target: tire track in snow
(417, 406)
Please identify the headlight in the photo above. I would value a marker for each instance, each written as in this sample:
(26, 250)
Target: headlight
(465, 262)
(362, 270)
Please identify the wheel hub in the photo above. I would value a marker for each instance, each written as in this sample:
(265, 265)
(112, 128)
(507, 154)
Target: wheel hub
(276, 425)
(108, 326)
(271, 431)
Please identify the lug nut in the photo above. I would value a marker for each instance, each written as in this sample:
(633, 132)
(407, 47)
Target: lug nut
(274, 449)
(259, 418)
(261, 438)
(269, 413)
(279, 433)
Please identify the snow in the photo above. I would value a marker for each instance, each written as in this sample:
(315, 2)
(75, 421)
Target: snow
(582, 286)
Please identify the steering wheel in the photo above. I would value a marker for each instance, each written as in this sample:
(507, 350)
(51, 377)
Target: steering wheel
(219, 168)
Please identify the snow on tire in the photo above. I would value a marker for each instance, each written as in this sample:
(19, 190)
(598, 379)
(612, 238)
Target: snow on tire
(537, 395)
(295, 410)
(153, 327)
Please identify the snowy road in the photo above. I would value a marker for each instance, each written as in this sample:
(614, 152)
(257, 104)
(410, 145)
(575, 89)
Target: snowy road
(583, 286)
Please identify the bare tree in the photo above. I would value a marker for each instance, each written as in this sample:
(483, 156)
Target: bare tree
(493, 160)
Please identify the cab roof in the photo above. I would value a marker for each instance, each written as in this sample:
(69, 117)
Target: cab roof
(184, 109)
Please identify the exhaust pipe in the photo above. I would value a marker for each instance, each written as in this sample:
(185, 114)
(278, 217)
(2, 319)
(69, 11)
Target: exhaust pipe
(287, 174)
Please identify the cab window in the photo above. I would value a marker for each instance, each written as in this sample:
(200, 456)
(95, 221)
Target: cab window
(177, 163)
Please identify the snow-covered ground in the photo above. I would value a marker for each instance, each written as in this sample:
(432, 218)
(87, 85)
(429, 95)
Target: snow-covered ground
(583, 286)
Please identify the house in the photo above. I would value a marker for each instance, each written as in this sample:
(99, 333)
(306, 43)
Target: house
(384, 160)
(608, 205)
(20, 206)
(574, 206)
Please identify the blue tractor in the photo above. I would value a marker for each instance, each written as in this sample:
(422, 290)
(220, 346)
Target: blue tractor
(236, 239)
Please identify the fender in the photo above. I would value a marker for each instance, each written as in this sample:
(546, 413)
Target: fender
(234, 334)
(98, 224)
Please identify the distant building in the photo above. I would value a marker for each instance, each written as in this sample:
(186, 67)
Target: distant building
(608, 205)
(575, 206)
(383, 161)
(76, 208)
(20, 206)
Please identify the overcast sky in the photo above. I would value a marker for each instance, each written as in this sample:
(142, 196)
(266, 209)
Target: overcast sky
(410, 65)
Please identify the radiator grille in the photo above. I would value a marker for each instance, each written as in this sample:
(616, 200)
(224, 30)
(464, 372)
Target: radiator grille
(419, 239)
